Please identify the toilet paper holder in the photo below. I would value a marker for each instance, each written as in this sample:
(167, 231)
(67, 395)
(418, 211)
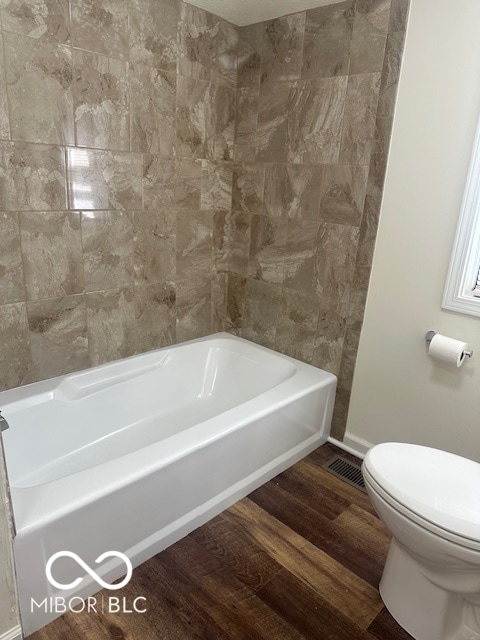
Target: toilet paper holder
(429, 337)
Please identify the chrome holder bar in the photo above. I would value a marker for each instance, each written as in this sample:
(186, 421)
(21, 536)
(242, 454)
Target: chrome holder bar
(429, 337)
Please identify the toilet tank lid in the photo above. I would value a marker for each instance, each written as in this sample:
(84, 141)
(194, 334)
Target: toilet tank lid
(439, 486)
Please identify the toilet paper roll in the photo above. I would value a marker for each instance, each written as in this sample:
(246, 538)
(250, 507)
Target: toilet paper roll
(447, 349)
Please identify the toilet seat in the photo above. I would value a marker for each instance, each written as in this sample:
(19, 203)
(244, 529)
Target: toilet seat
(440, 491)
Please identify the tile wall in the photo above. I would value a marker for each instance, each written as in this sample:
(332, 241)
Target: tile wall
(164, 175)
(315, 100)
(116, 149)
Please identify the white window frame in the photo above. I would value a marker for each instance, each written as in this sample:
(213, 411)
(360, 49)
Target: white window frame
(465, 260)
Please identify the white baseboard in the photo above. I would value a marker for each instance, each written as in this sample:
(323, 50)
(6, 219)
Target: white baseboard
(351, 444)
(13, 634)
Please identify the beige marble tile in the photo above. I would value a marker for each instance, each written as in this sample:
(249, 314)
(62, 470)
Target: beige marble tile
(188, 184)
(219, 301)
(359, 120)
(369, 35)
(152, 105)
(293, 190)
(39, 87)
(155, 308)
(390, 74)
(248, 187)
(207, 46)
(101, 100)
(349, 356)
(58, 336)
(194, 255)
(335, 261)
(226, 57)
(52, 253)
(216, 185)
(398, 15)
(236, 287)
(300, 255)
(296, 325)
(368, 230)
(340, 413)
(196, 118)
(100, 27)
(107, 238)
(328, 31)
(246, 114)
(267, 249)
(111, 325)
(238, 230)
(330, 335)
(379, 156)
(262, 306)
(205, 120)
(224, 109)
(342, 197)
(272, 122)
(4, 121)
(153, 33)
(282, 48)
(234, 303)
(221, 247)
(244, 147)
(194, 317)
(315, 120)
(104, 179)
(249, 54)
(15, 351)
(39, 19)
(246, 109)
(358, 296)
(371, 212)
(32, 177)
(11, 267)
(301, 122)
(159, 182)
(154, 250)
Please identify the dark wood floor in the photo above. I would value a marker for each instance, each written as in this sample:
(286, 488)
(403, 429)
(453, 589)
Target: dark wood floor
(300, 558)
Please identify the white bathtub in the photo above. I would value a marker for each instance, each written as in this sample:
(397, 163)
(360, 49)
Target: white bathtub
(132, 455)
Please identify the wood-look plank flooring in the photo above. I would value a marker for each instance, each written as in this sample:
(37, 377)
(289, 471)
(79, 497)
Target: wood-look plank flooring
(299, 558)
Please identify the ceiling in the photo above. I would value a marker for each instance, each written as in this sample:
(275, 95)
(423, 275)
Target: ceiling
(242, 12)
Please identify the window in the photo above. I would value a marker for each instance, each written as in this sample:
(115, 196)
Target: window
(462, 289)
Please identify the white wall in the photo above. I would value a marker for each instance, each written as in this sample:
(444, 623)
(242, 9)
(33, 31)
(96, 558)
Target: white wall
(399, 393)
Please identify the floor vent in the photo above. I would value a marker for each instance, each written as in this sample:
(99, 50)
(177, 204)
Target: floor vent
(346, 470)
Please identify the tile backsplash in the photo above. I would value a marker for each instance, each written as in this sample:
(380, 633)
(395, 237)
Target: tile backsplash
(165, 174)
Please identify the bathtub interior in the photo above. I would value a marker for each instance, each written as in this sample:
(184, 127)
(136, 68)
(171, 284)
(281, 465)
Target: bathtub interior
(104, 413)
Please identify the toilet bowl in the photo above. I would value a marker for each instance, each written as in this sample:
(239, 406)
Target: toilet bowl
(430, 501)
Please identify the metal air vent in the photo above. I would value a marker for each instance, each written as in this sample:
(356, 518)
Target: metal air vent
(347, 471)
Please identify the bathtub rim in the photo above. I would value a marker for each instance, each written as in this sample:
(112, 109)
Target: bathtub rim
(48, 385)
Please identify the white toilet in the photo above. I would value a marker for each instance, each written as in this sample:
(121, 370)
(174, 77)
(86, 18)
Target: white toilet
(430, 502)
